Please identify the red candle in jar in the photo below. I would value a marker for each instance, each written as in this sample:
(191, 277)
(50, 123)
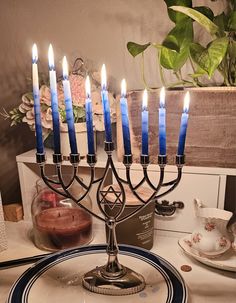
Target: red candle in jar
(64, 227)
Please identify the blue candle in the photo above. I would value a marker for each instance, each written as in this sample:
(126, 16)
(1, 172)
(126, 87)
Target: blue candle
(145, 123)
(54, 101)
(106, 106)
(183, 125)
(37, 112)
(89, 117)
(69, 108)
(162, 124)
(125, 119)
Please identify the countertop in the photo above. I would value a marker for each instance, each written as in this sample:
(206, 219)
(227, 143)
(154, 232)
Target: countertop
(205, 284)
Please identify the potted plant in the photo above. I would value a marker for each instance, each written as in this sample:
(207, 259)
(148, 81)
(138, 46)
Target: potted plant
(180, 46)
(211, 80)
(25, 111)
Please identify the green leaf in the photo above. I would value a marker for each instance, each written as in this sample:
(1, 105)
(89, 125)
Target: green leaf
(136, 49)
(180, 36)
(231, 26)
(206, 11)
(232, 50)
(173, 56)
(175, 16)
(200, 18)
(209, 58)
(221, 21)
(170, 59)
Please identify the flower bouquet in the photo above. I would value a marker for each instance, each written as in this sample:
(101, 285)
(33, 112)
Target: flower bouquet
(25, 111)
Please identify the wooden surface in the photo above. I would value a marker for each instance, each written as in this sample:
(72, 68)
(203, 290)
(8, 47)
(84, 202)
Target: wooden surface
(211, 135)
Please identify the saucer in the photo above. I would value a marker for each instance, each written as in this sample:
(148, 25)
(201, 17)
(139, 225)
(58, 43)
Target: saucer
(226, 261)
(209, 254)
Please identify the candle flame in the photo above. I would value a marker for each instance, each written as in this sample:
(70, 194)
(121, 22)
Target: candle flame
(87, 87)
(145, 99)
(162, 97)
(104, 77)
(34, 53)
(186, 102)
(51, 57)
(65, 68)
(123, 88)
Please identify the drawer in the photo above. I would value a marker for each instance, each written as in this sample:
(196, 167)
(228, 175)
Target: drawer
(202, 186)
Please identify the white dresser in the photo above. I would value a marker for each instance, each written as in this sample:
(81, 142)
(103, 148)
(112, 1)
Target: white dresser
(206, 183)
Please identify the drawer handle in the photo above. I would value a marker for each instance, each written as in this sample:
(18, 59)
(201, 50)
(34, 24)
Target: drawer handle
(165, 208)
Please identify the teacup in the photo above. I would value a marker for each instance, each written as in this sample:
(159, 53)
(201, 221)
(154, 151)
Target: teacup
(210, 238)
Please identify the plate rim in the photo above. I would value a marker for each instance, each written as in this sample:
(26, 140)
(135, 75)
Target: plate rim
(165, 268)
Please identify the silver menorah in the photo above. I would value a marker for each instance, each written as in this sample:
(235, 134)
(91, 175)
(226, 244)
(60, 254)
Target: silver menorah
(113, 278)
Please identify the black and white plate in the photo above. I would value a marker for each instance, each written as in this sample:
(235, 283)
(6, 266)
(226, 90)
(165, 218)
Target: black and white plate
(57, 278)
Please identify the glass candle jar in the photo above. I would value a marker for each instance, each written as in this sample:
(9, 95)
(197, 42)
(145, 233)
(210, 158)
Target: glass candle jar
(58, 222)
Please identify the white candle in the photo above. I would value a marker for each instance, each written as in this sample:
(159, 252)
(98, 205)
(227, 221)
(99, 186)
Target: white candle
(69, 107)
(54, 101)
(106, 105)
(162, 123)
(37, 111)
(183, 125)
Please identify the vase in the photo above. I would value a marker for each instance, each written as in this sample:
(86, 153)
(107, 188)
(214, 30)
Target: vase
(210, 140)
(81, 138)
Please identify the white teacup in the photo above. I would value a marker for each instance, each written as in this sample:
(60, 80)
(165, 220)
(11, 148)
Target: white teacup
(210, 238)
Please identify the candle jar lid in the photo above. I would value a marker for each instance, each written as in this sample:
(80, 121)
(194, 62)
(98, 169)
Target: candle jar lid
(58, 222)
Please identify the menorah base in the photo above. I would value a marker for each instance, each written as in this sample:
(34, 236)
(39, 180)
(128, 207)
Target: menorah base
(128, 282)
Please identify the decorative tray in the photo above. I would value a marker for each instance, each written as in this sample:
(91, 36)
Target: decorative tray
(57, 278)
(227, 261)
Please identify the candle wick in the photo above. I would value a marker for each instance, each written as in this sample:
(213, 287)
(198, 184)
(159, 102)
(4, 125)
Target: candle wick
(73, 217)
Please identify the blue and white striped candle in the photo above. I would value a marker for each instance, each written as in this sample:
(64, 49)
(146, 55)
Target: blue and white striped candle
(125, 119)
(89, 117)
(37, 111)
(54, 101)
(162, 124)
(145, 123)
(69, 107)
(183, 125)
(106, 105)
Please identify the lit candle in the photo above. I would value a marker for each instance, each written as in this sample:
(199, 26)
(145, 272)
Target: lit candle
(106, 106)
(125, 119)
(89, 117)
(37, 112)
(54, 101)
(145, 123)
(162, 124)
(183, 125)
(69, 108)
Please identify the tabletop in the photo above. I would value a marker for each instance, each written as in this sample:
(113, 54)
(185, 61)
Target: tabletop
(205, 284)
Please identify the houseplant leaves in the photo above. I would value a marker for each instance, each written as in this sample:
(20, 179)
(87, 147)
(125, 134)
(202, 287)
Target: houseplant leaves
(209, 58)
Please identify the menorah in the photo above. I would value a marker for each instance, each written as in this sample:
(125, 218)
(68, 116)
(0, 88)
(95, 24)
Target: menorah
(113, 278)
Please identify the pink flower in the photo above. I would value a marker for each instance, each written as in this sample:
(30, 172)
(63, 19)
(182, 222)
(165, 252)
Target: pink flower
(77, 85)
(210, 226)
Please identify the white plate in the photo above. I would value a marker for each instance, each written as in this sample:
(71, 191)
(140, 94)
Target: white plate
(227, 261)
(57, 278)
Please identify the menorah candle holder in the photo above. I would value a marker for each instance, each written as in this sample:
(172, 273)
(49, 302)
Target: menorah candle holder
(112, 278)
